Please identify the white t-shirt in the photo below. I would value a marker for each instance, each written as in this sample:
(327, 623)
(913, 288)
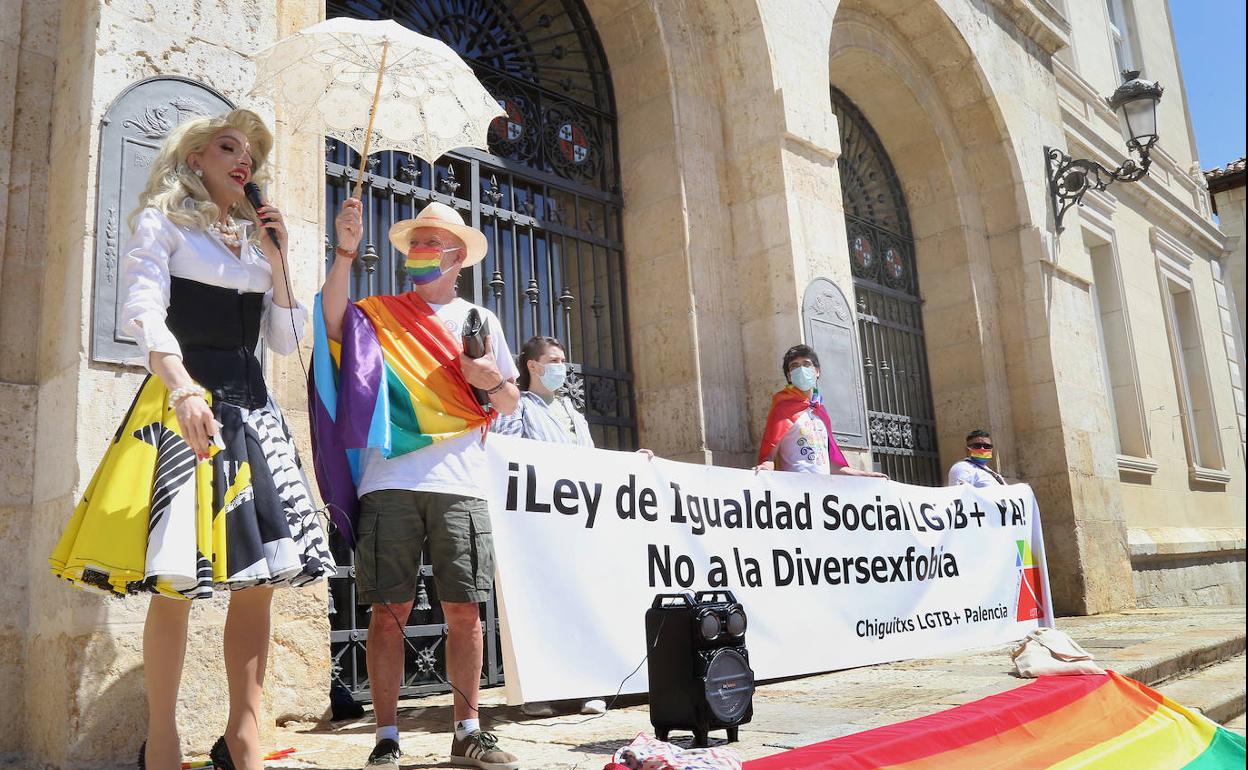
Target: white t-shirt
(967, 472)
(804, 449)
(455, 466)
(159, 250)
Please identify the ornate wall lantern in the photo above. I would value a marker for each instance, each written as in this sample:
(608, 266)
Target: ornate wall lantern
(1135, 102)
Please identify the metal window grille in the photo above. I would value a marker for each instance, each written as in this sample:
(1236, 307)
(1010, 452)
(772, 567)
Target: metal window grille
(901, 418)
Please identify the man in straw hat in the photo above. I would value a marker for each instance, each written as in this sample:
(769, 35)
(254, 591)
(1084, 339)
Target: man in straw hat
(397, 425)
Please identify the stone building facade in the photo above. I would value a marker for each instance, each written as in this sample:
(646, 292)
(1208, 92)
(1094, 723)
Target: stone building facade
(1098, 358)
(1228, 187)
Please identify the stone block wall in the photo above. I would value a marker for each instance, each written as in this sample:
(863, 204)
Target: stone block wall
(81, 672)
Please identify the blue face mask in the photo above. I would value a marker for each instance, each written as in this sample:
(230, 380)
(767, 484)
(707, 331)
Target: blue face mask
(804, 378)
(553, 376)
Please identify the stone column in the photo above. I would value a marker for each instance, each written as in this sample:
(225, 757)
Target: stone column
(27, 82)
(83, 674)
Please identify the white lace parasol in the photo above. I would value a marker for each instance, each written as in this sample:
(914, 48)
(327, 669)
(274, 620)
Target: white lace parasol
(376, 86)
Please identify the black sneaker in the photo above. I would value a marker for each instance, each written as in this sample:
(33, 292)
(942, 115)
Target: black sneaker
(386, 752)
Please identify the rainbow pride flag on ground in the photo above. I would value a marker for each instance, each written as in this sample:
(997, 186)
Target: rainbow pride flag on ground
(1056, 722)
(393, 384)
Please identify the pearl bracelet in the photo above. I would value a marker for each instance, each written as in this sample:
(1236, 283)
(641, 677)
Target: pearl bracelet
(178, 395)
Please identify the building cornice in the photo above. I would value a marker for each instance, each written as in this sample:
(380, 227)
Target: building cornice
(1039, 20)
(1152, 193)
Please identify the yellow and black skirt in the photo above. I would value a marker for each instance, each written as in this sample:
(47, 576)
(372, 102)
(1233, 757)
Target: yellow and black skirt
(155, 519)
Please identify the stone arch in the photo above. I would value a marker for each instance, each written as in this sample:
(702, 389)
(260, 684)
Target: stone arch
(917, 81)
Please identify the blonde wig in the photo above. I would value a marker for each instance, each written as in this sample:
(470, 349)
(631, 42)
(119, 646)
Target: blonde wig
(175, 190)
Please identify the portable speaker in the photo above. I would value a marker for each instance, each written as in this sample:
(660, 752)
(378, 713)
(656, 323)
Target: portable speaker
(700, 675)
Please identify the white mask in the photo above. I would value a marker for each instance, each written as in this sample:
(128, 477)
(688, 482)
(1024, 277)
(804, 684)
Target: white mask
(553, 376)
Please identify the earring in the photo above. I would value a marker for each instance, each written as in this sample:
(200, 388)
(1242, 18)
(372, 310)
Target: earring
(199, 172)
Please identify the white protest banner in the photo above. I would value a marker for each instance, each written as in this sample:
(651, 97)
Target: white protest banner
(832, 571)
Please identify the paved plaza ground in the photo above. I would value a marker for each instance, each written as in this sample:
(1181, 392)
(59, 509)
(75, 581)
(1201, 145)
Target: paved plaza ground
(1195, 655)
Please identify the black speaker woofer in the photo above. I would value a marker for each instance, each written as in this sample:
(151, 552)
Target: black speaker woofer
(729, 684)
(700, 675)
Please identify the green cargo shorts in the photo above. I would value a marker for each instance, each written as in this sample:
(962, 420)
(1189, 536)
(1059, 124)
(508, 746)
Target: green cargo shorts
(394, 526)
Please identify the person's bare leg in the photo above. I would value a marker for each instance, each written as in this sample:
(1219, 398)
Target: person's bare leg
(464, 649)
(164, 650)
(246, 655)
(384, 653)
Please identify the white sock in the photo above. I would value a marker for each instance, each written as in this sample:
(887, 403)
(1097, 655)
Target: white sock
(466, 727)
(388, 731)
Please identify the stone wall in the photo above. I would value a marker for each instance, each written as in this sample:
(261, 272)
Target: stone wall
(82, 677)
(1232, 205)
(27, 82)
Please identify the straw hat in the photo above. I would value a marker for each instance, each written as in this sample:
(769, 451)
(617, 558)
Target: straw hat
(443, 217)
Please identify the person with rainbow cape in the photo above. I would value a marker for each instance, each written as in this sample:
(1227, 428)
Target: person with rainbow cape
(798, 436)
(398, 442)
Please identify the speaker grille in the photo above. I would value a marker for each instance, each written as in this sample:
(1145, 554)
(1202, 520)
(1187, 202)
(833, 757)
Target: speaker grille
(729, 685)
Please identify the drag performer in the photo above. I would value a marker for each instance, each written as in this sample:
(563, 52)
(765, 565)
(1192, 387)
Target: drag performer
(201, 488)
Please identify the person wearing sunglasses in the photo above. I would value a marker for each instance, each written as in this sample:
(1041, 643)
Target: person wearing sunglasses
(975, 469)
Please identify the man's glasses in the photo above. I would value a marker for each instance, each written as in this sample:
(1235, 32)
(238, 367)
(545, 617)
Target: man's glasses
(980, 445)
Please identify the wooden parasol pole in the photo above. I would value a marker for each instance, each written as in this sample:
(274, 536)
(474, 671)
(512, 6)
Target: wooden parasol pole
(372, 114)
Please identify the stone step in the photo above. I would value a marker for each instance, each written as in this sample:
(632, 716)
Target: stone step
(1216, 691)
(1155, 647)
(1236, 725)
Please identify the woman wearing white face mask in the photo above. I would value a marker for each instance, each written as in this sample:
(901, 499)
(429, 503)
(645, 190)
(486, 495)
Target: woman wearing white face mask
(544, 414)
(798, 436)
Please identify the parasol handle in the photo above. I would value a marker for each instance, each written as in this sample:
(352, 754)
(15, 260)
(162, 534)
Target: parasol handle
(372, 114)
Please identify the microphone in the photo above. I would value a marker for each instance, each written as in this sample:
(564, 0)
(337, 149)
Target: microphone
(252, 191)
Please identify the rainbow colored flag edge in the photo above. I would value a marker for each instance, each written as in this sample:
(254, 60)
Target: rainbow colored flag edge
(1057, 723)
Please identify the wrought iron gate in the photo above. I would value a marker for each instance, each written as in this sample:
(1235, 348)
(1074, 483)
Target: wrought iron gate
(900, 416)
(547, 196)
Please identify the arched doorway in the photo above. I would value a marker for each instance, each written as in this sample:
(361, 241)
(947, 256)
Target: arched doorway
(547, 196)
(901, 418)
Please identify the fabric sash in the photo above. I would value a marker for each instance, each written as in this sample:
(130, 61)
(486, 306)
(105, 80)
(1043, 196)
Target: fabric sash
(393, 384)
(786, 406)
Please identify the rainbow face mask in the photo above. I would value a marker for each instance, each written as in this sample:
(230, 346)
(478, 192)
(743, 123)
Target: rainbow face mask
(424, 264)
(981, 456)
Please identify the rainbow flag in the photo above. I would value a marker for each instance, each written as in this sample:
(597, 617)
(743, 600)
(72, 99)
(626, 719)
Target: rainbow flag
(1065, 722)
(393, 384)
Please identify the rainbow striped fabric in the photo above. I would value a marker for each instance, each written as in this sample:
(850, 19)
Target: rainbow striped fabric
(393, 384)
(1065, 722)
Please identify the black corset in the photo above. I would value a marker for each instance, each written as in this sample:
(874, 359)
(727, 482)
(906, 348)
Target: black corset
(218, 330)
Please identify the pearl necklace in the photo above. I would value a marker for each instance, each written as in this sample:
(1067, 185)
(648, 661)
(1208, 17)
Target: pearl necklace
(227, 233)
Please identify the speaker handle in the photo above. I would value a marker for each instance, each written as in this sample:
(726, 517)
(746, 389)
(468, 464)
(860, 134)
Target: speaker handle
(685, 597)
(709, 596)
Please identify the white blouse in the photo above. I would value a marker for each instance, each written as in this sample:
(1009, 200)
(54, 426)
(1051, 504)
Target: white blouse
(159, 249)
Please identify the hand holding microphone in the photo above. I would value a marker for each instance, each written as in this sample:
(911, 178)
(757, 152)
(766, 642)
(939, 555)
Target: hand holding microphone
(270, 218)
